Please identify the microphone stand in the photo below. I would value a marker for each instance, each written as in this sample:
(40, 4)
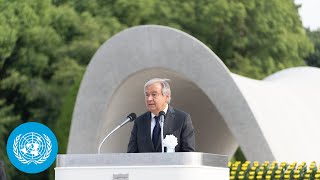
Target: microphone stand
(107, 137)
(161, 125)
(130, 118)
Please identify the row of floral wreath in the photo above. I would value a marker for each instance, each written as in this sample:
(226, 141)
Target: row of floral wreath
(273, 171)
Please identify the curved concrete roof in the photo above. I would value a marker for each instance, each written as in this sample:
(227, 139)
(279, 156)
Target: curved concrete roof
(286, 107)
(225, 108)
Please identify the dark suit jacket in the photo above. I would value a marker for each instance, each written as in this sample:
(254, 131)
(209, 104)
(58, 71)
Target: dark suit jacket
(176, 122)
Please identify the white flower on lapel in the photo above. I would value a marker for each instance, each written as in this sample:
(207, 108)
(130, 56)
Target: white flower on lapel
(170, 141)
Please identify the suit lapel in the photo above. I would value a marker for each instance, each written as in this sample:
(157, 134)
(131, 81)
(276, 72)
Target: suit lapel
(167, 125)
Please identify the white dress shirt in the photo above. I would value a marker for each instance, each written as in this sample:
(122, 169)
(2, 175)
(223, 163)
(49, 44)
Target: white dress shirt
(153, 121)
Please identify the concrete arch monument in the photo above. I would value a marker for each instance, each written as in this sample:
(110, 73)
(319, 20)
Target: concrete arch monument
(222, 104)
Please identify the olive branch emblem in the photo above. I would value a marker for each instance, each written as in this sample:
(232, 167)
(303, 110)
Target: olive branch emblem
(26, 161)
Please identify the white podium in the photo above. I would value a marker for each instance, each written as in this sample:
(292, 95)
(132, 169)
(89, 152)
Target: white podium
(142, 166)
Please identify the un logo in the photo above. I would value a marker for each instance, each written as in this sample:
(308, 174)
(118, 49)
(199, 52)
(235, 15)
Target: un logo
(32, 147)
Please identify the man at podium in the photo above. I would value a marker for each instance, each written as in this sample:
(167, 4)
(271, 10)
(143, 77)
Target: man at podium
(146, 131)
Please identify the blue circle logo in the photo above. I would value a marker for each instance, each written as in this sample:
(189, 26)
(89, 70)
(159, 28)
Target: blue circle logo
(32, 147)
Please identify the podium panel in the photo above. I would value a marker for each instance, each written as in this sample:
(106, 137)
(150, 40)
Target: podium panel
(142, 166)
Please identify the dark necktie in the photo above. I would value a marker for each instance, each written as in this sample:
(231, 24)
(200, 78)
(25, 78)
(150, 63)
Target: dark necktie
(156, 131)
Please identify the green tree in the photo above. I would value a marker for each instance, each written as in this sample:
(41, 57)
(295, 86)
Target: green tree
(45, 45)
(313, 59)
(43, 51)
(7, 121)
(253, 38)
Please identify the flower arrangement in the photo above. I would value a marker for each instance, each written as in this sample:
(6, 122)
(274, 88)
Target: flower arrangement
(170, 141)
(273, 171)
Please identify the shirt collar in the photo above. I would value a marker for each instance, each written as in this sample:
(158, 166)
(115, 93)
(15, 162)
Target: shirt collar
(165, 111)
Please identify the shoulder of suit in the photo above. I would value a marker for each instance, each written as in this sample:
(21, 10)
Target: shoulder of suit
(142, 116)
(180, 112)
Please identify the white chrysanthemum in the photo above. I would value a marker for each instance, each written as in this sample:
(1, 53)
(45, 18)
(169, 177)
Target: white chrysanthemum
(170, 141)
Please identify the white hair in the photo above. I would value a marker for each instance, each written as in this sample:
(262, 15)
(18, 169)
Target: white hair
(165, 90)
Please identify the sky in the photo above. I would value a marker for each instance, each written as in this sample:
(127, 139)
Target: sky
(310, 13)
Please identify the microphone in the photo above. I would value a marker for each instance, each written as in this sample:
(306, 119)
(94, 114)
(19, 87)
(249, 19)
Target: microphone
(131, 117)
(162, 116)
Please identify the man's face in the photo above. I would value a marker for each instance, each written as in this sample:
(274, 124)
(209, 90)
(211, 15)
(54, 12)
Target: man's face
(154, 99)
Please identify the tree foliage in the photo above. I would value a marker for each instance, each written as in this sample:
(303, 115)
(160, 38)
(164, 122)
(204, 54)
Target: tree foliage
(313, 59)
(45, 45)
(253, 38)
(7, 121)
(43, 51)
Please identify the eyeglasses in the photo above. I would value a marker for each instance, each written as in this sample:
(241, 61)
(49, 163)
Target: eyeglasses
(153, 95)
